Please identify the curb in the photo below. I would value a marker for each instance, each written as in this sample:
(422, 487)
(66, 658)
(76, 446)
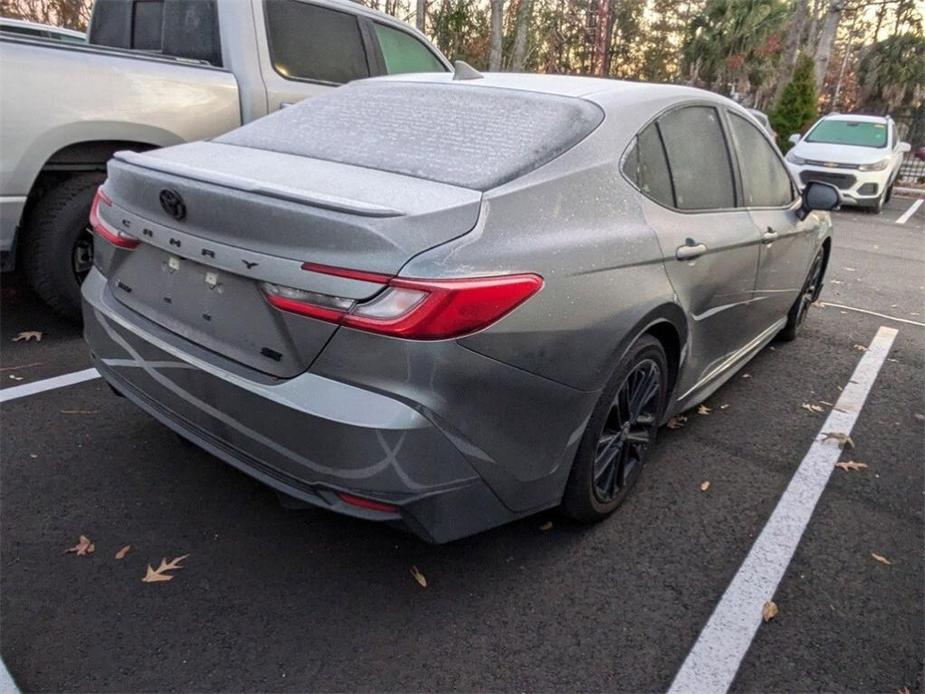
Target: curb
(909, 192)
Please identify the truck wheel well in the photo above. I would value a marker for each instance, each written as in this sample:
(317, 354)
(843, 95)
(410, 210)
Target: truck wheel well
(75, 159)
(90, 156)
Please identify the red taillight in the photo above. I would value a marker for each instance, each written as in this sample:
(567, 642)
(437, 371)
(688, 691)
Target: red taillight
(415, 309)
(102, 229)
(368, 504)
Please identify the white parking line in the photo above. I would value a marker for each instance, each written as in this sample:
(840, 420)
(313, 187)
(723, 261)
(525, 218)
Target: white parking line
(911, 211)
(823, 304)
(715, 657)
(25, 389)
(7, 685)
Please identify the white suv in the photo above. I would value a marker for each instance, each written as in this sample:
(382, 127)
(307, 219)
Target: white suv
(859, 155)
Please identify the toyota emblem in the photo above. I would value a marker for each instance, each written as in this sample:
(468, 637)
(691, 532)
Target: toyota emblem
(173, 204)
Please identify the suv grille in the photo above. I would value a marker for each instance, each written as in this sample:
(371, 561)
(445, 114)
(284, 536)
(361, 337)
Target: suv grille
(839, 180)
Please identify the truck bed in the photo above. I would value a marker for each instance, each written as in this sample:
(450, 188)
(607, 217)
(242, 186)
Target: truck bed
(52, 94)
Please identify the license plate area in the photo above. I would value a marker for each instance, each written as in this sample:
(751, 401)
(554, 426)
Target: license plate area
(216, 309)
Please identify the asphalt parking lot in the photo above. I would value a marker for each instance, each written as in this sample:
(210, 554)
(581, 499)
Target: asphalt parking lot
(272, 599)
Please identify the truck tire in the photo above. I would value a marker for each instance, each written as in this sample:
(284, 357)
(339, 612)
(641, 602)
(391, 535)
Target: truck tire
(57, 248)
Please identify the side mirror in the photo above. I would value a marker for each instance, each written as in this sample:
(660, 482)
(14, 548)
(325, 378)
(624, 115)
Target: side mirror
(819, 196)
(793, 139)
(904, 147)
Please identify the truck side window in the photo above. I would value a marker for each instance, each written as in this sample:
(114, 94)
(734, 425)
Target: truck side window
(314, 43)
(404, 53)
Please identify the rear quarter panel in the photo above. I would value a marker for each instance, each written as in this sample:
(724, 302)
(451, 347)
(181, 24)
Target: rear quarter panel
(579, 225)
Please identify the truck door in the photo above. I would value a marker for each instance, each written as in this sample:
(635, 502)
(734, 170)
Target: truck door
(306, 50)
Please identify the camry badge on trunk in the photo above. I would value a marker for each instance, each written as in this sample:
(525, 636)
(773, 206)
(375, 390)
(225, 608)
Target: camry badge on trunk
(173, 204)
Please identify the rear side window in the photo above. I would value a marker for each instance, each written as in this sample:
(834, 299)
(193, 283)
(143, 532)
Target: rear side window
(765, 181)
(647, 167)
(698, 158)
(314, 43)
(404, 53)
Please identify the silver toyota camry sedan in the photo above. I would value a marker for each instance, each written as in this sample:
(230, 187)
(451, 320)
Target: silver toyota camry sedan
(448, 303)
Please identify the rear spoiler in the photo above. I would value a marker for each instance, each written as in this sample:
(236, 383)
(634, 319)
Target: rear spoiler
(246, 185)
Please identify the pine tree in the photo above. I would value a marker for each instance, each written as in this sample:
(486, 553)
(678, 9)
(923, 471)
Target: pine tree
(797, 107)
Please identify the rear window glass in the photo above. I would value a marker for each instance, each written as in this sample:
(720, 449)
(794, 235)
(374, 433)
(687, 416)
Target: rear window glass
(847, 132)
(463, 135)
(314, 43)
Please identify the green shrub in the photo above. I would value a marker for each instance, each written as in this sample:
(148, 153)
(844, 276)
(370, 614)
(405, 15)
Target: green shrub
(797, 108)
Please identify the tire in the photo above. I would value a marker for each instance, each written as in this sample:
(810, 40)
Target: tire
(877, 207)
(57, 248)
(812, 286)
(589, 500)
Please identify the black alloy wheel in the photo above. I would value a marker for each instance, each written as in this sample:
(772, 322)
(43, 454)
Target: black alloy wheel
(811, 289)
(620, 433)
(628, 431)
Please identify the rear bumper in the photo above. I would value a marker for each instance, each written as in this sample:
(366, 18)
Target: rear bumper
(309, 437)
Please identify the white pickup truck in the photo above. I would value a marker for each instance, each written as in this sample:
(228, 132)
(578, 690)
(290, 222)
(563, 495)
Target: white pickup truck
(157, 73)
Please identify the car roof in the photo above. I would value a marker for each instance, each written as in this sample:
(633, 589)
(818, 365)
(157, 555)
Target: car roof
(856, 117)
(595, 89)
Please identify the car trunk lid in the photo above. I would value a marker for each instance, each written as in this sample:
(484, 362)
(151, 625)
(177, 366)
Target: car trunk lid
(215, 222)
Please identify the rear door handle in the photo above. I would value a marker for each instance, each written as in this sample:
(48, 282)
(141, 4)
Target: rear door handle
(689, 251)
(770, 236)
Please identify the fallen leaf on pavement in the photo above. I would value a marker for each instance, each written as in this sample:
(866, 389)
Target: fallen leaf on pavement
(860, 348)
(703, 409)
(676, 422)
(769, 611)
(28, 335)
(705, 485)
(83, 547)
(810, 407)
(158, 575)
(122, 552)
(13, 377)
(419, 577)
(746, 375)
(851, 465)
(724, 406)
(844, 441)
(882, 559)
(919, 416)
(826, 403)
(546, 526)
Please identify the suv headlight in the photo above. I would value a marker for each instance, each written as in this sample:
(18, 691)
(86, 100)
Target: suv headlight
(794, 159)
(876, 166)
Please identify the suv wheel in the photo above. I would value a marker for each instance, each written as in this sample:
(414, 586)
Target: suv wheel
(619, 435)
(57, 245)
